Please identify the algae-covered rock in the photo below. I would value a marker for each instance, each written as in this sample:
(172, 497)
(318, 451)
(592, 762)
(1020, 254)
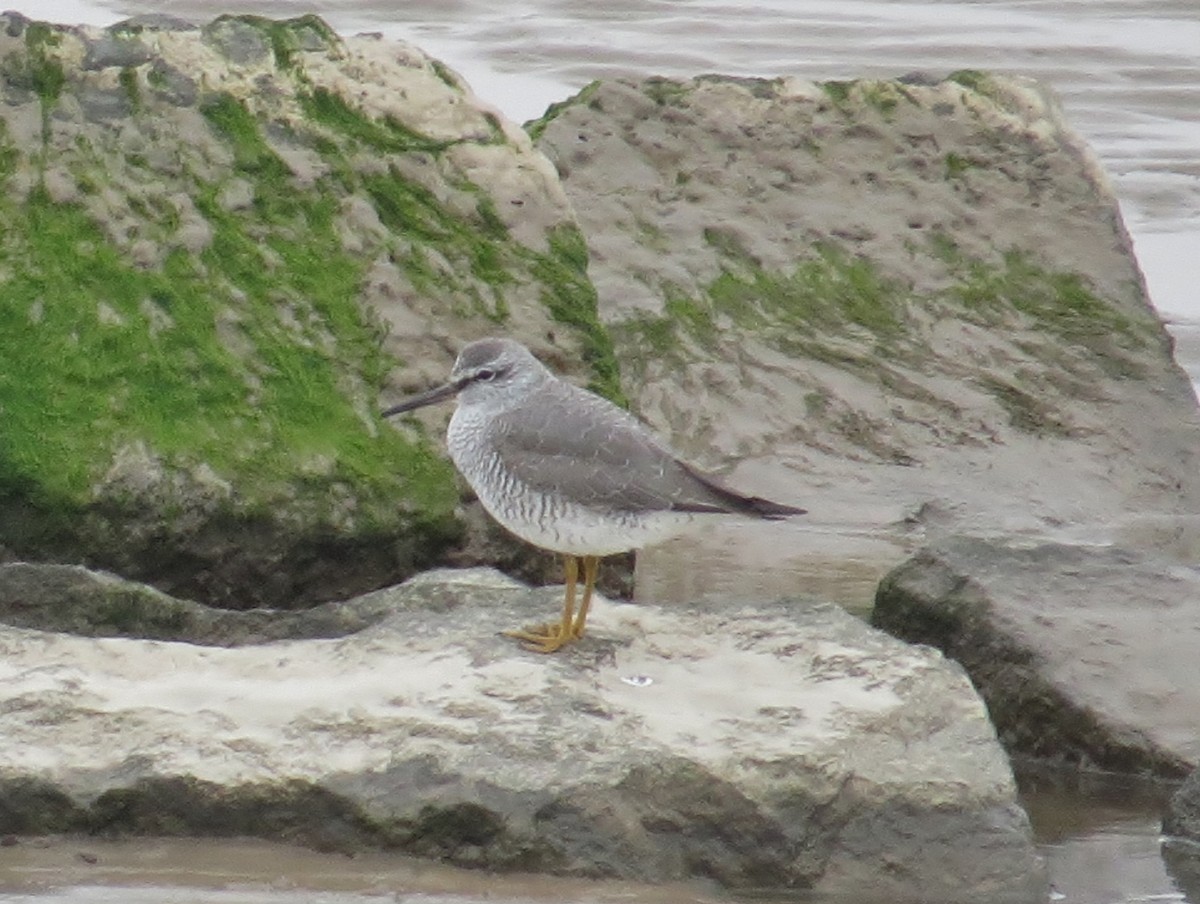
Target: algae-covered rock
(909, 291)
(222, 247)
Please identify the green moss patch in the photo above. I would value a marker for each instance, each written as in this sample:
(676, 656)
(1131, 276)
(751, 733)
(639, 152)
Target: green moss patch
(80, 348)
(881, 96)
(386, 135)
(586, 95)
(480, 244)
(1060, 305)
(831, 294)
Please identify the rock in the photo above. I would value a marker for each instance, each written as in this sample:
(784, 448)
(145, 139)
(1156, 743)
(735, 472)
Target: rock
(1084, 655)
(214, 179)
(81, 602)
(1181, 823)
(882, 296)
(773, 746)
(1182, 819)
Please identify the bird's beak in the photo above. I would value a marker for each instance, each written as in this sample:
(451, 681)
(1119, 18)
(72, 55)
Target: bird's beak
(437, 394)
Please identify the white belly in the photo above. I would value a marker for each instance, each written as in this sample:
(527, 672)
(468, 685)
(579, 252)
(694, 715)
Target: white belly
(580, 531)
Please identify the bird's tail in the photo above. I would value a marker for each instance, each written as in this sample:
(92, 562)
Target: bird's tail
(773, 511)
(734, 501)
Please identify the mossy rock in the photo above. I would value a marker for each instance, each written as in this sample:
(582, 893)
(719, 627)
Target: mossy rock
(191, 375)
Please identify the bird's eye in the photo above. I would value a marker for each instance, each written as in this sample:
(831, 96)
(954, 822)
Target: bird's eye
(486, 375)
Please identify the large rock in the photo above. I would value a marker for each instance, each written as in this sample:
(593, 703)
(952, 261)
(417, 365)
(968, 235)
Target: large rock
(775, 746)
(895, 294)
(86, 603)
(1181, 825)
(1085, 655)
(1182, 819)
(220, 244)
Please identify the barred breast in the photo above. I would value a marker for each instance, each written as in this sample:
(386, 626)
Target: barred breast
(546, 517)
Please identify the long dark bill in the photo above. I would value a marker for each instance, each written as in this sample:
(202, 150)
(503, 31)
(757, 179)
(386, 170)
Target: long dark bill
(437, 394)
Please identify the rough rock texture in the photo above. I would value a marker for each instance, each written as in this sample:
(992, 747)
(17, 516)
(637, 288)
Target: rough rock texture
(1183, 811)
(219, 243)
(85, 603)
(767, 747)
(896, 294)
(1084, 655)
(1181, 823)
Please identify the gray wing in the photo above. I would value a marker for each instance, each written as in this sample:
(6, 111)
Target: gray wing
(605, 457)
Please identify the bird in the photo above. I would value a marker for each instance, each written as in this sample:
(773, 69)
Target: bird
(568, 471)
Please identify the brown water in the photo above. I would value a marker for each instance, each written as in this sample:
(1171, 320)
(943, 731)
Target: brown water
(1128, 72)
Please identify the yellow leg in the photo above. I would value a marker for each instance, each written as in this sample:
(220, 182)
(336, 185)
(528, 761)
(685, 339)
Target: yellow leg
(591, 565)
(550, 637)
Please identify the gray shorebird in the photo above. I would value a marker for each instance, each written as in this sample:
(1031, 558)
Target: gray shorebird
(568, 471)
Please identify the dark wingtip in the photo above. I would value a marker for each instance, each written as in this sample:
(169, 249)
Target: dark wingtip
(774, 511)
(734, 501)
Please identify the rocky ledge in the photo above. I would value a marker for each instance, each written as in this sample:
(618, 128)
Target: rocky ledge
(777, 746)
(1084, 655)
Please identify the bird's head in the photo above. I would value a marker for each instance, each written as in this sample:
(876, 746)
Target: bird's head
(495, 372)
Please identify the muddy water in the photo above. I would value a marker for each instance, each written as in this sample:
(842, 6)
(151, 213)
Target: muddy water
(175, 871)
(1128, 72)
(1101, 846)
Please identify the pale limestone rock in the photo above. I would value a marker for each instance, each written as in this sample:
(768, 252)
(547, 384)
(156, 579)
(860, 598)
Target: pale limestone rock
(767, 746)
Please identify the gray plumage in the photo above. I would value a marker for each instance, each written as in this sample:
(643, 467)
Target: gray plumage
(564, 468)
(568, 471)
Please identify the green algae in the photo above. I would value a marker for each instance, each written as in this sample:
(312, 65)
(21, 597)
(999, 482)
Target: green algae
(840, 310)
(956, 165)
(46, 73)
(38, 69)
(10, 156)
(837, 90)
(819, 310)
(385, 135)
(1026, 411)
(179, 389)
(570, 297)
(286, 37)
(881, 95)
(444, 73)
(1061, 305)
(970, 78)
(586, 95)
(128, 80)
(833, 291)
(251, 154)
(482, 243)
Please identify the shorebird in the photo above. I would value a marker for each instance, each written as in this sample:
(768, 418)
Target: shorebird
(568, 471)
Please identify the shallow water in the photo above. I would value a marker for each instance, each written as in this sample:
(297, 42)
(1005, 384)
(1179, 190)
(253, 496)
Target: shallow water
(1128, 72)
(167, 871)
(1101, 845)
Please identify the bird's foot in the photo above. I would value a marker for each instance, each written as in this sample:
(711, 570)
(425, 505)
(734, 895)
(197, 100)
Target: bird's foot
(545, 638)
